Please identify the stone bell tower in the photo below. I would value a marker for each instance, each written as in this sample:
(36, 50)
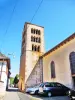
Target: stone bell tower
(32, 48)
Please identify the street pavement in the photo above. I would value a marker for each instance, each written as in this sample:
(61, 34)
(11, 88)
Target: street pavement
(1, 97)
(14, 94)
(22, 96)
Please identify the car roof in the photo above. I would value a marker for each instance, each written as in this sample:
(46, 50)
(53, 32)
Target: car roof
(52, 82)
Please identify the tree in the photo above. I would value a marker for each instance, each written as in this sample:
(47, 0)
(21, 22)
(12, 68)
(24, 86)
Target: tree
(16, 80)
(11, 80)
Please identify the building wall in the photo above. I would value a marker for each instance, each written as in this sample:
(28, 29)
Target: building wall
(4, 75)
(22, 73)
(62, 64)
(31, 57)
(36, 76)
(2, 88)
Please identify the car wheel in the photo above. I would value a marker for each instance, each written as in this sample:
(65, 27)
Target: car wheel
(36, 92)
(49, 94)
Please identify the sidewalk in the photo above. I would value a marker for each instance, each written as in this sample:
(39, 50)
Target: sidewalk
(11, 96)
(1, 97)
(18, 96)
(2, 94)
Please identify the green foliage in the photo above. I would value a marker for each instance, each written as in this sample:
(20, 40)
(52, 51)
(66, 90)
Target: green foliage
(11, 80)
(17, 76)
(16, 79)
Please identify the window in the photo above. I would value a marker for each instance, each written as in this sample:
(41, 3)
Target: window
(39, 40)
(72, 62)
(35, 48)
(38, 49)
(36, 39)
(32, 47)
(49, 85)
(32, 30)
(53, 69)
(38, 32)
(35, 31)
(32, 38)
(58, 85)
(42, 85)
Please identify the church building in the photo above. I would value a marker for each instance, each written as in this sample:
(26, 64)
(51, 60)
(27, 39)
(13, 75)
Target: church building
(37, 66)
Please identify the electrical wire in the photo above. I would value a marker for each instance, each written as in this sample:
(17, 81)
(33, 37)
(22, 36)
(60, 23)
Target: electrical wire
(10, 20)
(36, 10)
(12, 16)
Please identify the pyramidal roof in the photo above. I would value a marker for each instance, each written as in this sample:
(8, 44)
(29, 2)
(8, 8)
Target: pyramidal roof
(3, 56)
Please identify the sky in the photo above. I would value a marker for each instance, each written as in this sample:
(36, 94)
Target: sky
(56, 16)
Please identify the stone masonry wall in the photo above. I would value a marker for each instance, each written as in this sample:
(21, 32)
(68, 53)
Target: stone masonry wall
(36, 75)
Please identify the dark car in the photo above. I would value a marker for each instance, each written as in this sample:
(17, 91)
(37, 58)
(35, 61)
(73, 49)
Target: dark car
(53, 88)
(72, 94)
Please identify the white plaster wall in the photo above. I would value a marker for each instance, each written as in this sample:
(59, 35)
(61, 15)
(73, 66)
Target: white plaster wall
(3, 76)
(62, 64)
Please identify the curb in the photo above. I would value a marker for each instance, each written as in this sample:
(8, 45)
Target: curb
(30, 96)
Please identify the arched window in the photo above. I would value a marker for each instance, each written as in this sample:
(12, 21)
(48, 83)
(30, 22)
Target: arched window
(53, 70)
(38, 48)
(72, 62)
(33, 47)
(38, 32)
(39, 40)
(32, 38)
(32, 30)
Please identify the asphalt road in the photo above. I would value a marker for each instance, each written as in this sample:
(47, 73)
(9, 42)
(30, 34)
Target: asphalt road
(14, 94)
(53, 98)
(33, 97)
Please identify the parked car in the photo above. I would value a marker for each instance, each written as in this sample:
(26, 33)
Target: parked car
(53, 88)
(72, 94)
(32, 90)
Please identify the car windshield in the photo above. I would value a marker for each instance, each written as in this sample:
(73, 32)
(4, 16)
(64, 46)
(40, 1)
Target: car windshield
(57, 85)
(49, 84)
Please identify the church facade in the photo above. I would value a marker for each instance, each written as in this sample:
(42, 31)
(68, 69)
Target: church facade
(59, 63)
(36, 66)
